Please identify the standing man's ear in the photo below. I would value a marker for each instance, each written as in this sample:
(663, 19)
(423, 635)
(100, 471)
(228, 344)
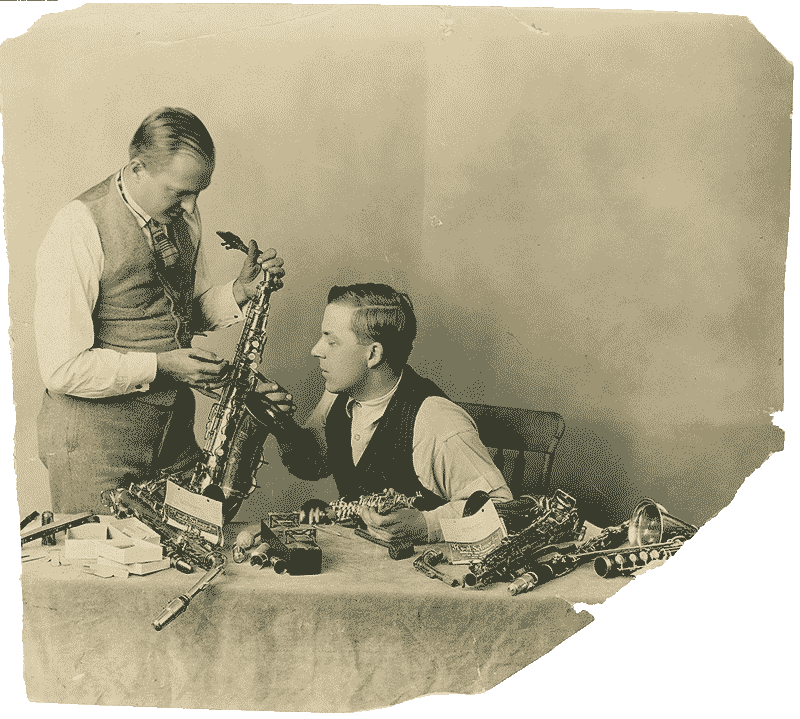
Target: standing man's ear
(375, 356)
(136, 165)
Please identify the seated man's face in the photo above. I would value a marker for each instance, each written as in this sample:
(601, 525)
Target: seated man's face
(342, 359)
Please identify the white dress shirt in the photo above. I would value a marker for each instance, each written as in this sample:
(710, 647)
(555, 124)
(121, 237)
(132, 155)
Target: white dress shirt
(69, 266)
(448, 455)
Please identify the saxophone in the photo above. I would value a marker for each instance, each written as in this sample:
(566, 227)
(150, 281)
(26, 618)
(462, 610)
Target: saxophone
(237, 425)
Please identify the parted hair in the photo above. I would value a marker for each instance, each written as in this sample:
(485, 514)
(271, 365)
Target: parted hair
(167, 131)
(382, 315)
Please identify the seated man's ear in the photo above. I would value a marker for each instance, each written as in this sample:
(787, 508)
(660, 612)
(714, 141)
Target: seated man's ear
(375, 356)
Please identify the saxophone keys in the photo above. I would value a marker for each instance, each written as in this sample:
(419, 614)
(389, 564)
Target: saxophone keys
(255, 344)
(254, 366)
(219, 452)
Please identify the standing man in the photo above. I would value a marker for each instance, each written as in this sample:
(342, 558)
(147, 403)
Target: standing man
(119, 297)
(380, 425)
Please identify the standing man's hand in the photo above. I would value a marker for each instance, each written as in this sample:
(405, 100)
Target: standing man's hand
(198, 368)
(245, 287)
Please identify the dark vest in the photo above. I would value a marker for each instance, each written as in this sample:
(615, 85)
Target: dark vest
(140, 308)
(387, 461)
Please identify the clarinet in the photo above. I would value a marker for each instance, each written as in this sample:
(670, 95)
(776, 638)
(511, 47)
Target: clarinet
(608, 563)
(383, 503)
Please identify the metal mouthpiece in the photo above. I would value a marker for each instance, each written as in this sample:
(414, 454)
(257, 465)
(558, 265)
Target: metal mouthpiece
(523, 584)
(260, 556)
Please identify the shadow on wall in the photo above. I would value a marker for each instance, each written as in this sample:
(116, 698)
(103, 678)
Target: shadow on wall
(610, 457)
(588, 466)
(474, 358)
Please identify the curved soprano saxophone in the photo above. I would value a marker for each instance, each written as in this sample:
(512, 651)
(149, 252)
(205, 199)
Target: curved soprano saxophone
(237, 425)
(235, 431)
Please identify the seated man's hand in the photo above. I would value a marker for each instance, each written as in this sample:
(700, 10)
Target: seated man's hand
(313, 512)
(277, 396)
(406, 524)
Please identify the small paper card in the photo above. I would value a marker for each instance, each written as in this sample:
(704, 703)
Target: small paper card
(472, 538)
(184, 509)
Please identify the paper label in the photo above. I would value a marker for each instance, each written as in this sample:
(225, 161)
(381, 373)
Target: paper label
(471, 538)
(184, 509)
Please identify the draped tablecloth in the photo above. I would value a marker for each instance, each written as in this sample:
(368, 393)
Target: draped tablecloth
(367, 632)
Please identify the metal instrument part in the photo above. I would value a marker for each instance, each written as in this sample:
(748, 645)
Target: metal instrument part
(382, 503)
(651, 523)
(244, 541)
(296, 551)
(180, 544)
(397, 550)
(239, 422)
(559, 523)
(32, 534)
(261, 556)
(178, 605)
(627, 562)
(49, 539)
(25, 522)
(426, 562)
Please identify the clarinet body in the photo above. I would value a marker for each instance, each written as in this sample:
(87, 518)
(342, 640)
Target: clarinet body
(608, 562)
(383, 503)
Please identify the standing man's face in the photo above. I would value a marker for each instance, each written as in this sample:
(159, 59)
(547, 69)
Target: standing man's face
(342, 359)
(168, 191)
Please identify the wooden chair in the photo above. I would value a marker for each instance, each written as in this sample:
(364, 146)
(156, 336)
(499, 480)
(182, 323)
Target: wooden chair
(512, 432)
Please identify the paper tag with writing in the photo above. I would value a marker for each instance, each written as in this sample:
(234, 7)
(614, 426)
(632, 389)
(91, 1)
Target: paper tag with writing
(471, 538)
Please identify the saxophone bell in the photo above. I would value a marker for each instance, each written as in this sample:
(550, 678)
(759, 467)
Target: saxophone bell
(652, 524)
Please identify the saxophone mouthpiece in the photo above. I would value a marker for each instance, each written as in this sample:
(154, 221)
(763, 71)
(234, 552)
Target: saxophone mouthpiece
(246, 538)
(260, 556)
(522, 584)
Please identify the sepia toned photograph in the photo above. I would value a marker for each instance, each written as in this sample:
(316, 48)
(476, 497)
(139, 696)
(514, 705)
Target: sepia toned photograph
(370, 356)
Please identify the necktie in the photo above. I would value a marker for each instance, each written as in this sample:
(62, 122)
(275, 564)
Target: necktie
(163, 246)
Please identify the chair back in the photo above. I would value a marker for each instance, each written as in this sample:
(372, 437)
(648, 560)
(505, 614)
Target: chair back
(510, 433)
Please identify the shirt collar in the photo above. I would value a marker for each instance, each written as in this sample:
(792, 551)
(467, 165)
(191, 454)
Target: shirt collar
(141, 216)
(380, 402)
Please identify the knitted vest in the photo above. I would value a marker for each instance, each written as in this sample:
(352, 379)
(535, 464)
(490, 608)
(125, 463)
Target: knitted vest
(140, 308)
(388, 459)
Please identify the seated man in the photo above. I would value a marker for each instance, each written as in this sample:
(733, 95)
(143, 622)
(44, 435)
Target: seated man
(380, 425)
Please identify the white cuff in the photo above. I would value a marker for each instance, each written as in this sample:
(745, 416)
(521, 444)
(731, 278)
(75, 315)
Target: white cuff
(141, 369)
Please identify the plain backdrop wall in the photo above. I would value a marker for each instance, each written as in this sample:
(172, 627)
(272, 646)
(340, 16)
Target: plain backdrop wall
(591, 213)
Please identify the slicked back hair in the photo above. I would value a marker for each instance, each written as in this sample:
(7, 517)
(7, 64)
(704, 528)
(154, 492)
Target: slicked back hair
(382, 315)
(168, 131)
